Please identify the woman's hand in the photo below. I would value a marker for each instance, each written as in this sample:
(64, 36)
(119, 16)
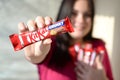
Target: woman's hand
(86, 72)
(83, 71)
(36, 52)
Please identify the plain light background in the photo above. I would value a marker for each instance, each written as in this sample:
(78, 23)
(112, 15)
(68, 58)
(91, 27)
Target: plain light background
(13, 65)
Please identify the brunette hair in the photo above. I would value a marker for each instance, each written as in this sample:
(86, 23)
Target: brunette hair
(61, 54)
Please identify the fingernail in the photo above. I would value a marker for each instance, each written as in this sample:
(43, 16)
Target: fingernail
(32, 28)
(40, 25)
(47, 22)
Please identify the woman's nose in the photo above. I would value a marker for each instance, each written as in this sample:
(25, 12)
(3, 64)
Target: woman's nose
(79, 19)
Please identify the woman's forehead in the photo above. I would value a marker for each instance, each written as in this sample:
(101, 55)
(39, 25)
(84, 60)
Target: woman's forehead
(82, 5)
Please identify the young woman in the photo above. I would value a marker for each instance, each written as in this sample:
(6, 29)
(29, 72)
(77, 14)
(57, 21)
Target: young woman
(56, 57)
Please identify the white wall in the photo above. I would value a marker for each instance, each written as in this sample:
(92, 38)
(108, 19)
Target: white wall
(13, 65)
(107, 22)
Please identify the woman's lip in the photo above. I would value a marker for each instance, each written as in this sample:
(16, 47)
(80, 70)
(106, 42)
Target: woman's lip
(80, 27)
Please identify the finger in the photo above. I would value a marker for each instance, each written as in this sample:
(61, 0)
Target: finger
(79, 70)
(48, 20)
(80, 67)
(101, 57)
(85, 67)
(29, 50)
(41, 47)
(40, 21)
(98, 63)
(97, 59)
(79, 75)
(31, 25)
(47, 41)
(22, 28)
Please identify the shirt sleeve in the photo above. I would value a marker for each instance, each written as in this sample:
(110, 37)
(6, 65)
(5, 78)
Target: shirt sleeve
(107, 66)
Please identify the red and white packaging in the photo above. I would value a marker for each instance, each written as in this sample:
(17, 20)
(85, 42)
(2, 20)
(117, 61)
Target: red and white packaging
(87, 53)
(19, 41)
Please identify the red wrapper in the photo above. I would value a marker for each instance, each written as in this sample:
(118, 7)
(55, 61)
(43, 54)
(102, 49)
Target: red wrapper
(20, 41)
(100, 50)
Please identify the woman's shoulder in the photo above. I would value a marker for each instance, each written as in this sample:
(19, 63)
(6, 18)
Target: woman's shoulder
(98, 42)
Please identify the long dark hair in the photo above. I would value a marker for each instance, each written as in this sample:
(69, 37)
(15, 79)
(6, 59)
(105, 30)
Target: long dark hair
(61, 55)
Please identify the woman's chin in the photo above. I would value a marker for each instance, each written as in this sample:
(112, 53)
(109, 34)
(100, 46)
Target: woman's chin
(77, 36)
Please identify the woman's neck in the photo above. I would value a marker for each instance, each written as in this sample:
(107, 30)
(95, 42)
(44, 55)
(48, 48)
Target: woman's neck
(81, 42)
(78, 41)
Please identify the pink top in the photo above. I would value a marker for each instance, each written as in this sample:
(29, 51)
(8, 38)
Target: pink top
(67, 73)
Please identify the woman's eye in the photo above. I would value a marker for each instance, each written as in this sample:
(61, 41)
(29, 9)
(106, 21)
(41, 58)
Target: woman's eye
(73, 14)
(87, 15)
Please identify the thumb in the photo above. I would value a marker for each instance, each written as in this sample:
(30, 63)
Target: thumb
(43, 47)
(98, 62)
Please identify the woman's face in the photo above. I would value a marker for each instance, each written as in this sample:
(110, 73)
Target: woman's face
(81, 19)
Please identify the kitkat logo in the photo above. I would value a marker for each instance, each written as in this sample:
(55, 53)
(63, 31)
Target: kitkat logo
(37, 35)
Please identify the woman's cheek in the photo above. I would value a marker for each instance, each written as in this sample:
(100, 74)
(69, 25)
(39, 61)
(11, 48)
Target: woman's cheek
(77, 34)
